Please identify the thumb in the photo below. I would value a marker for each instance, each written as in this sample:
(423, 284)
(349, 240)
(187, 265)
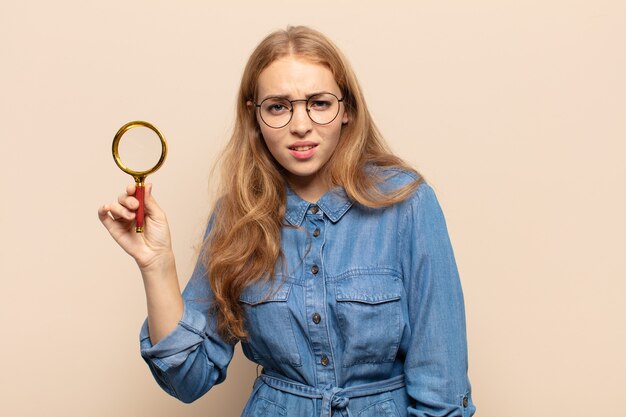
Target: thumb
(150, 203)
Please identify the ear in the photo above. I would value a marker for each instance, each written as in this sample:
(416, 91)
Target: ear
(251, 107)
(346, 118)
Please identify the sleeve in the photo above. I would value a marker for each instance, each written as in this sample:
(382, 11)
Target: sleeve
(436, 363)
(193, 357)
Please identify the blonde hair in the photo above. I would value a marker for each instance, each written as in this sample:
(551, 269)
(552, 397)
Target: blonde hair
(243, 244)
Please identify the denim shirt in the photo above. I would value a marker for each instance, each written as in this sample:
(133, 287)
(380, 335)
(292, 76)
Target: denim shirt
(366, 295)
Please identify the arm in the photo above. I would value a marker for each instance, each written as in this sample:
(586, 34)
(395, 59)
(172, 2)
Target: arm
(152, 251)
(192, 358)
(178, 339)
(436, 363)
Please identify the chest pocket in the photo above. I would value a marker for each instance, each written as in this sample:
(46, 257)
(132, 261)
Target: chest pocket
(369, 313)
(269, 323)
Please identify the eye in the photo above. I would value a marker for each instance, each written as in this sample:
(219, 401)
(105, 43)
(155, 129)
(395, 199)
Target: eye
(275, 106)
(322, 102)
(320, 105)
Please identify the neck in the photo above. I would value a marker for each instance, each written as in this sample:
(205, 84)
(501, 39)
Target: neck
(310, 188)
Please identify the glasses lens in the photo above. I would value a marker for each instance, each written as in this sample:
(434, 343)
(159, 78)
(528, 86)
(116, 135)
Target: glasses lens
(276, 111)
(323, 108)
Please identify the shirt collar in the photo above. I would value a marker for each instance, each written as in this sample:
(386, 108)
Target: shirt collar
(335, 203)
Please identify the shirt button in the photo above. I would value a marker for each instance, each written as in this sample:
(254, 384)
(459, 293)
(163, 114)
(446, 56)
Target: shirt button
(315, 269)
(314, 209)
(316, 232)
(316, 318)
(325, 361)
(465, 402)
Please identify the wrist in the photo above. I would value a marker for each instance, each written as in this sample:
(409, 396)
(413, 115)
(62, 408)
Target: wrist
(163, 264)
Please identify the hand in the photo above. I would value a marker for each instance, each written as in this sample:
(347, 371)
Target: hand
(150, 248)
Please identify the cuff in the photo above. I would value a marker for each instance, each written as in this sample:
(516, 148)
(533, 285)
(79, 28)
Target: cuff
(173, 349)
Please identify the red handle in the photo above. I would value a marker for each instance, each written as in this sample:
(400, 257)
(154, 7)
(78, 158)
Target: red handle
(139, 195)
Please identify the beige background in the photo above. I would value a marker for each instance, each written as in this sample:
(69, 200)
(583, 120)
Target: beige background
(513, 110)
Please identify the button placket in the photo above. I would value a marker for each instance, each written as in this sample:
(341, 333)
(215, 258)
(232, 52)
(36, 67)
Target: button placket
(314, 224)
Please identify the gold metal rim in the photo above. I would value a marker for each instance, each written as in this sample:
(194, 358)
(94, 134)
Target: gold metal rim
(138, 175)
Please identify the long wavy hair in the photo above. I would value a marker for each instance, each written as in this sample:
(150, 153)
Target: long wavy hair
(243, 244)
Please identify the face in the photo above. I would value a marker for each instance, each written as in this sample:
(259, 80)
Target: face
(302, 147)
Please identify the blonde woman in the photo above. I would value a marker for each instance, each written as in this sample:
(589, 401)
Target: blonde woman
(326, 256)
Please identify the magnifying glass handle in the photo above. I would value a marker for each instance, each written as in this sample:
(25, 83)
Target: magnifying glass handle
(140, 192)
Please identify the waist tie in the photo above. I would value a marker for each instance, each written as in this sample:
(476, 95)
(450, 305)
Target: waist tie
(333, 397)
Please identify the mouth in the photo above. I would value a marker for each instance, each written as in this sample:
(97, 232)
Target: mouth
(302, 148)
(302, 151)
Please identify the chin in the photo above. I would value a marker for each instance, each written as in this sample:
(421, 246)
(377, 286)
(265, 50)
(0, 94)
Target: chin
(303, 173)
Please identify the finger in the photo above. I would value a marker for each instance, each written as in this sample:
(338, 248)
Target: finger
(105, 216)
(130, 202)
(118, 212)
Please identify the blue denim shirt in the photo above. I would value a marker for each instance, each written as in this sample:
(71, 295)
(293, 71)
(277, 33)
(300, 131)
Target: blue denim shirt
(367, 295)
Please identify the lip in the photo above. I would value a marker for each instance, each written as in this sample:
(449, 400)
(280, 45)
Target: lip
(304, 154)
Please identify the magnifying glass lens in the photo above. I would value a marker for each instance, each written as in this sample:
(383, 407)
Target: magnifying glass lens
(140, 149)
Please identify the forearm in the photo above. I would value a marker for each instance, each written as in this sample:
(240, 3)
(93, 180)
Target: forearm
(163, 297)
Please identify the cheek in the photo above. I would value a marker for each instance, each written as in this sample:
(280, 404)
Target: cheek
(335, 133)
(271, 139)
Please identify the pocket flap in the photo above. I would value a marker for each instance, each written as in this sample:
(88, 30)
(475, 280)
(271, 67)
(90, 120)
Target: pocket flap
(263, 292)
(369, 289)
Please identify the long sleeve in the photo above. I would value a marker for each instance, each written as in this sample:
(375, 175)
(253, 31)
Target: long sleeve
(436, 363)
(192, 358)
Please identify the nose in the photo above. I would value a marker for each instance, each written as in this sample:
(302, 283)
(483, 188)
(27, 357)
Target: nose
(300, 121)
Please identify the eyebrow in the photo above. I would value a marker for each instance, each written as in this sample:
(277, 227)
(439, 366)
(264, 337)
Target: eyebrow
(288, 96)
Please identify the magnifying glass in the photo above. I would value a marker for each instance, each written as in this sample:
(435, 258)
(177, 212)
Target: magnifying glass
(140, 148)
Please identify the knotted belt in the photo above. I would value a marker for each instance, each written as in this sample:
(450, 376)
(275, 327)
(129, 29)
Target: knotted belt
(333, 398)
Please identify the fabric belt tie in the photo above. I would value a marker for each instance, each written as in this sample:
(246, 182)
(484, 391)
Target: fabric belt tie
(333, 398)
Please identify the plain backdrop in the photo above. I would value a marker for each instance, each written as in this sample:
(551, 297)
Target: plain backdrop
(514, 111)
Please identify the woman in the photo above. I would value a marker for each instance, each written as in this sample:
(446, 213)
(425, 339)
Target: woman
(326, 256)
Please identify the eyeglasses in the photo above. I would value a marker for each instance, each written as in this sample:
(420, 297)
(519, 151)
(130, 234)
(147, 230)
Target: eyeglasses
(276, 112)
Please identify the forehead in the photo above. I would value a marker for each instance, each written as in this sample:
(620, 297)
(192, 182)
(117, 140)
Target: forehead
(295, 78)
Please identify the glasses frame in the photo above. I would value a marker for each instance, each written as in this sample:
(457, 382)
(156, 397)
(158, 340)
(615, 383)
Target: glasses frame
(306, 107)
